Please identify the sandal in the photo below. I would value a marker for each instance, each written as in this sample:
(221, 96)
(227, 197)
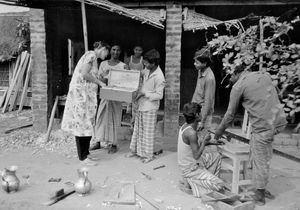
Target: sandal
(269, 195)
(147, 159)
(112, 149)
(95, 146)
(88, 162)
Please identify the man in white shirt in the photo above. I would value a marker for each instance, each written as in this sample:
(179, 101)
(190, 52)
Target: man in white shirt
(149, 96)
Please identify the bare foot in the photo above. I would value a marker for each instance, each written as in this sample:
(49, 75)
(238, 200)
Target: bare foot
(130, 155)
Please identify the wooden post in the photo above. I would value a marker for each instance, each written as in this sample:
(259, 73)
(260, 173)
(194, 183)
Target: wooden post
(51, 118)
(261, 38)
(84, 26)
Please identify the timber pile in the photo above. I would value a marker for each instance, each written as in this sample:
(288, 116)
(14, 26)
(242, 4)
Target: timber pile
(18, 85)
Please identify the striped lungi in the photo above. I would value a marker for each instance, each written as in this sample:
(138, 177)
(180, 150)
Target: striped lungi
(204, 178)
(142, 140)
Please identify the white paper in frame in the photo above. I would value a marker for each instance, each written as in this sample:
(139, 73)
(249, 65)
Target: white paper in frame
(128, 79)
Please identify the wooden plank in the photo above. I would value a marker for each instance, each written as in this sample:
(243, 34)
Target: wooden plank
(15, 68)
(11, 86)
(24, 92)
(153, 204)
(85, 34)
(51, 118)
(18, 128)
(18, 63)
(121, 193)
(12, 74)
(3, 97)
(19, 81)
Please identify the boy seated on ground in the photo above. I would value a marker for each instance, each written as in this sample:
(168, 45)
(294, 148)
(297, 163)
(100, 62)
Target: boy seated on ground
(200, 171)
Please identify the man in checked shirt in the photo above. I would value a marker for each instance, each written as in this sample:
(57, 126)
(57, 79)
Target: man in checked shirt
(205, 89)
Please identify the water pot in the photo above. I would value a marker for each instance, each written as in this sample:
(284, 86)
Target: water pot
(83, 186)
(10, 182)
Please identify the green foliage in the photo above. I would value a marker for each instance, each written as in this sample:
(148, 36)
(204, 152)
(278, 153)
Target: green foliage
(23, 34)
(14, 36)
(274, 54)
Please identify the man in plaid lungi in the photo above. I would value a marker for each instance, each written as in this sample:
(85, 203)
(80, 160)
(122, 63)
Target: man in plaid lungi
(149, 96)
(259, 97)
(200, 170)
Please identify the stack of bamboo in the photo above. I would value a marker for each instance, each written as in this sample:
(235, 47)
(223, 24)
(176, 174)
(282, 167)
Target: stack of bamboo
(19, 82)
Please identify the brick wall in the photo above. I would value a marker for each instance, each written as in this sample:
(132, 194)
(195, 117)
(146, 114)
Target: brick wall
(172, 72)
(39, 69)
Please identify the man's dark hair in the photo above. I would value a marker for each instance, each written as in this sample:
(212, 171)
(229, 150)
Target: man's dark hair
(240, 68)
(190, 111)
(152, 56)
(203, 56)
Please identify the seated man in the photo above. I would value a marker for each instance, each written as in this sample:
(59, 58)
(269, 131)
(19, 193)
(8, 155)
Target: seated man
(200, 170)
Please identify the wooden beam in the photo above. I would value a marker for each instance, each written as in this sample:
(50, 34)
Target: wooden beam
(208, 3)
(84, 26)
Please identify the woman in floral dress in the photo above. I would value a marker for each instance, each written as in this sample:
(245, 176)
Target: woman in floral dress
(81, 104)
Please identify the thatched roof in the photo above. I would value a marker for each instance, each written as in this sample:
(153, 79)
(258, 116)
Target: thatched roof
(195, 21)
(9, 42)
(147, 16)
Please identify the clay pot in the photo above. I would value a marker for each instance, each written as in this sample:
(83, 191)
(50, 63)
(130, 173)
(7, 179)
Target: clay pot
(10, 182)
(83, 186)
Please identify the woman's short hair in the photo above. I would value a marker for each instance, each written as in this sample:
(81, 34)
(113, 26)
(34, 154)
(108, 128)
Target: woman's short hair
(152, 56)
(100, 44)
(190, 111)
(203, 56)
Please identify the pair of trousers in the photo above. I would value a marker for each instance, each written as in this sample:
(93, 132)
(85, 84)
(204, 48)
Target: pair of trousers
(83, 145)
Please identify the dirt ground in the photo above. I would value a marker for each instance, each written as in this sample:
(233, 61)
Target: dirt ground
(38, 161)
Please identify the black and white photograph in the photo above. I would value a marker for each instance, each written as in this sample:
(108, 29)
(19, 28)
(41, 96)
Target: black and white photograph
(149, 105)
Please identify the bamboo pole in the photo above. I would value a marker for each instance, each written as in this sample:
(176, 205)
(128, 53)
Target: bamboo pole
(84, 26)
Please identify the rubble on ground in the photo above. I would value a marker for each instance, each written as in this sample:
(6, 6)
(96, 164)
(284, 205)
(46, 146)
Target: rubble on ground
(59, 141)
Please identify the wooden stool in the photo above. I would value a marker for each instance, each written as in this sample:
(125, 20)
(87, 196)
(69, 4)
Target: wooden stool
(238, 154)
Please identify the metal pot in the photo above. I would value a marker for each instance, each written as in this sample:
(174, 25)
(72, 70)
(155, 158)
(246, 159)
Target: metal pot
(10, 182)
(83, 186)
